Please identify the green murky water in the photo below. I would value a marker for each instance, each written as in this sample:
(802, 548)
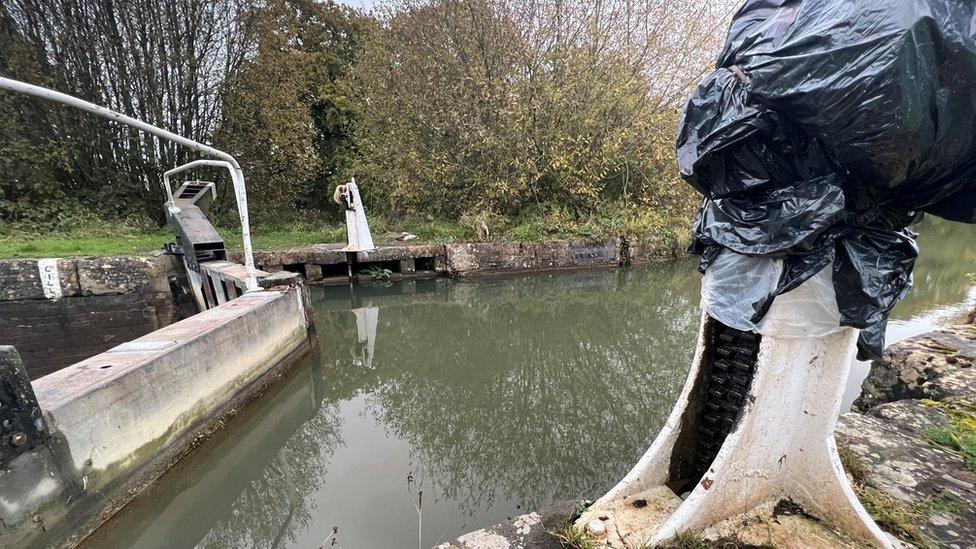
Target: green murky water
(493, 397)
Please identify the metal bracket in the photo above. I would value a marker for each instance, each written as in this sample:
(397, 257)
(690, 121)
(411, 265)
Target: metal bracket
(172, 248)
(22, 426)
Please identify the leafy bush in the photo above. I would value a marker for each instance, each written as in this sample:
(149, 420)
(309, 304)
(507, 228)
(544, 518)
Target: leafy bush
(287, 112)
(484, 107)
(502, 117)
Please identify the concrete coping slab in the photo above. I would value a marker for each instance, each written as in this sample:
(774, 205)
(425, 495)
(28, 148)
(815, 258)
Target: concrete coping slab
(119, 419)
(104, 368)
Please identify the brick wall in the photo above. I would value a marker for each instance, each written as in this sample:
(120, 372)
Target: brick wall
(52, 334)
(104, 302)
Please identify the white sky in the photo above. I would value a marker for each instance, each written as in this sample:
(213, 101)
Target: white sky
(365, 4)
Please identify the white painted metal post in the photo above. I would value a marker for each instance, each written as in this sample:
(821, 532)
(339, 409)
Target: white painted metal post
(358, 238)
(237, 175)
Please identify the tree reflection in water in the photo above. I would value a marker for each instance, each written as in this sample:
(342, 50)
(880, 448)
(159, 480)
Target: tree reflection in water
(491, 393)
(529, 388)
(947, 253)
(274, 506)
(248, 485)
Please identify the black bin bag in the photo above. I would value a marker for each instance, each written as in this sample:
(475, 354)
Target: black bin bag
(826, 130)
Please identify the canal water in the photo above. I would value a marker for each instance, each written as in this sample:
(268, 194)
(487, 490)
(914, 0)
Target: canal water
(492, 398)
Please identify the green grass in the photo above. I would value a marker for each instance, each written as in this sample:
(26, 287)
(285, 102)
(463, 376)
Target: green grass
(960, 435)
(891, 514)
(136, 243)
(571, 536)
(140, 241)
(955, 439)
(378, 274)
(691, 540)
(894, 515)
(942, 504)
(284, 237)
(95, 237)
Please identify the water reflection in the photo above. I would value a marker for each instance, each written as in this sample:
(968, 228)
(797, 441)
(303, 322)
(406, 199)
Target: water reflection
(366, 319)
(947, 252)
(248, 485)
(495, 396)
(529, 397)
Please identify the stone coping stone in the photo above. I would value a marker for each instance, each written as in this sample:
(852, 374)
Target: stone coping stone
(911, 368)
(501, 257)
(398, 253)
(528, 531)
(466, 258)
(906, 467)
(20, 279)
(958, 385)
(890, 436)
(650, 247)
(911, 415)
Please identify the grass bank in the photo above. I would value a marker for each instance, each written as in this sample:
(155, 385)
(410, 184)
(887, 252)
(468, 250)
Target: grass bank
(100, 238)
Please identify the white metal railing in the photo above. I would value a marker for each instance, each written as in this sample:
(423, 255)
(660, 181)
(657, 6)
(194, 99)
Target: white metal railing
(228, 161)
(240, 194)
(170, 204)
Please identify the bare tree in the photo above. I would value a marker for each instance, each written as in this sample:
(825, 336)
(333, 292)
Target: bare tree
(163, 61)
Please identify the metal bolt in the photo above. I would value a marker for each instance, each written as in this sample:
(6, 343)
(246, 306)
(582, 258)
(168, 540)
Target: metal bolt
(18, 439)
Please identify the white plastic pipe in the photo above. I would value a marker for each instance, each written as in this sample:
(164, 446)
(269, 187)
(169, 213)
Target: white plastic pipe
(237, 175)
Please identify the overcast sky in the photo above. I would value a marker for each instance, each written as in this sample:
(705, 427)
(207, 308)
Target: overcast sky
(358, 3)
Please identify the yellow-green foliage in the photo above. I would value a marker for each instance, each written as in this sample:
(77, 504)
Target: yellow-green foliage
(287, 111)
(510, 118)
(512, 107)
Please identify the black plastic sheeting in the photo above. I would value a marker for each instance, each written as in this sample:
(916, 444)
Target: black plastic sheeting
(827, 129)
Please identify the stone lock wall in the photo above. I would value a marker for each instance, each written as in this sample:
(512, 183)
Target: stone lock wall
(56, 312)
